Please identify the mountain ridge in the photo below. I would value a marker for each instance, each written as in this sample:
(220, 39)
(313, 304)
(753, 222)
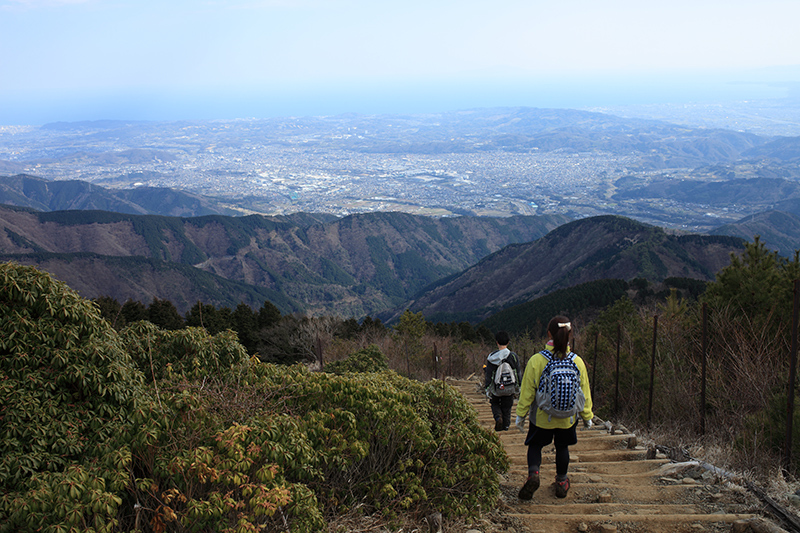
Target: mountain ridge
(25, 190)
(352, 266)
(603, 247)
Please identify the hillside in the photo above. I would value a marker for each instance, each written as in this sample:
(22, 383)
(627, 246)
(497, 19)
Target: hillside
(753, 192)
(779, 231)
(781, 148)
(141, 279)
(354, 266)
(45, 195)
(523, 129)
(605, 247)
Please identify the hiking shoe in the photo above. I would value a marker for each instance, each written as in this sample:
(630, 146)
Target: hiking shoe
(498, 425)
(530, 486)
(562, 487)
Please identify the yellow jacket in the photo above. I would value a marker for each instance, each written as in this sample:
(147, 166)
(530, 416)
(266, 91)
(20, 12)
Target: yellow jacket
(527, 395)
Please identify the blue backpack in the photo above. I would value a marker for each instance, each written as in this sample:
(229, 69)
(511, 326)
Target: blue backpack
(559, 393)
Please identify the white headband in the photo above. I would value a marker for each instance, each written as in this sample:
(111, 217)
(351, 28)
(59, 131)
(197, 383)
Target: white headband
(567, 325)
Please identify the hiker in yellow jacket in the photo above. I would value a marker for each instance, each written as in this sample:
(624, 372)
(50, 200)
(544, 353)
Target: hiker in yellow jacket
(546, 428)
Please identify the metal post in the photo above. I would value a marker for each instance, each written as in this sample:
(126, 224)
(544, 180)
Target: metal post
(652, 371)
(703, 374)
(787, 459)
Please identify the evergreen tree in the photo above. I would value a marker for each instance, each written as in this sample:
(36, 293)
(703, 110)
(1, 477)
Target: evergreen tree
(245, 323)
(411, 324)
(110, 310)
(759, 284)
(268, 315)
(133, 311)
(207, 316)
(164, 314)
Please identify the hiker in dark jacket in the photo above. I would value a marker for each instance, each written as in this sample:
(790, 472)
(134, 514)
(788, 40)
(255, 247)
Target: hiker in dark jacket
(501, 401)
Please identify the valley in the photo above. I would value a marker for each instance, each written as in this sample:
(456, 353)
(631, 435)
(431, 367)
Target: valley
(358, 215)
(485, 162)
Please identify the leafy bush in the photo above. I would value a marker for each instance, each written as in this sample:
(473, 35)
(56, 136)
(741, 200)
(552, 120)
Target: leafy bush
(190, 351)
(392, 445)
(211, 441)
(298, 446)
(197, 469)
(67, 388)
(370, 359)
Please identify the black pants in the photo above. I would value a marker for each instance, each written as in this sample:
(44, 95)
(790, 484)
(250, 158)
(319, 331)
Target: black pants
(501, 409)
(538, 438)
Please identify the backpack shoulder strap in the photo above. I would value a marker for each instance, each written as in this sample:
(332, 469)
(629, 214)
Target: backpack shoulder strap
(547, 355)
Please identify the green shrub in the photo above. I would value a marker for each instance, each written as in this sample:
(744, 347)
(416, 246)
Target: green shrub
(198, 472)
(370, 359)
(393, 445)
(67, 388)
(190, 351)
(310, 446)
(210, 441)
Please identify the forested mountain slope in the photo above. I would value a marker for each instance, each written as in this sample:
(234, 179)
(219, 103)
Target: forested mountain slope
(778, 230)
(23, 190)
(605, 247)
(357, 265)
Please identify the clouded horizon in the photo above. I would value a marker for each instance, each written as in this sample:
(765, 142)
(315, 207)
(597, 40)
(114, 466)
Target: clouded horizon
(169, 60)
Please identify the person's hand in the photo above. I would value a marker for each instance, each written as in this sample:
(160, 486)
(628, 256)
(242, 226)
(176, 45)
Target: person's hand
(588, 424)
(488, 394)
(520, 423)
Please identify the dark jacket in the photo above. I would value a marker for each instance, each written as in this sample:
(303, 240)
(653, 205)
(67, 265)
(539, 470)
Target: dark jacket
(493, 361)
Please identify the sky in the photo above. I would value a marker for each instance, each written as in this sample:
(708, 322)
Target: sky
(71, 60)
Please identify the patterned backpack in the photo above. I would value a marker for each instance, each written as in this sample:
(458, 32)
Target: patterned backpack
(559, 393)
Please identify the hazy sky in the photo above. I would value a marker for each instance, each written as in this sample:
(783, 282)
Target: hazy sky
(175, 59)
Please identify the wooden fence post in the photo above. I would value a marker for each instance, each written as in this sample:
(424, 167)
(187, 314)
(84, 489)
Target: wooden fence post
(616, 385)
(435, 362)
(787, 458)
(320, 354)
(652, 371)
(408, 360)
(594, 365)
(703, 373)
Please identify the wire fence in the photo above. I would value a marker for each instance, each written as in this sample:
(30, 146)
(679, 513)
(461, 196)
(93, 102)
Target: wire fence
(611, 356)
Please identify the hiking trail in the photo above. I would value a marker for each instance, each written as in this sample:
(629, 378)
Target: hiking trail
(617, 485)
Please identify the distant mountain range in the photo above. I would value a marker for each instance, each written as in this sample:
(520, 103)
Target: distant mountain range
(376, 264)
(46, 195)
(514, 129)
(354, 266)
(379, 264)
(525, 129)
(146, 242)
(778, 230)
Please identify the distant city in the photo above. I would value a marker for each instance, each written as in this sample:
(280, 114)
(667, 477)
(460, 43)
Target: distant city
(341, 165)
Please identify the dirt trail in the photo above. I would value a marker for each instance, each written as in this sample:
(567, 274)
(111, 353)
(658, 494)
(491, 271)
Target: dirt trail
(614, 486)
